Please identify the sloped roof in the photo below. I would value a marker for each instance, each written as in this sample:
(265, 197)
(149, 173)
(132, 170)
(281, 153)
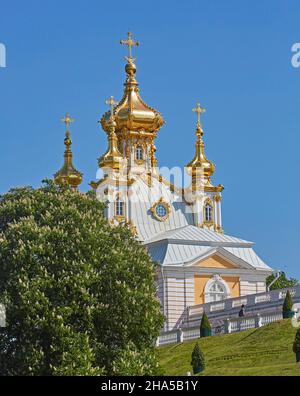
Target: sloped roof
(187, 245)
(192, 233)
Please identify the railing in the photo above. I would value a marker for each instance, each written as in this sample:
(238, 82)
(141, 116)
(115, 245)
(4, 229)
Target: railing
(191, 333)
(179, 335)
(233, 325)
(263, 298)
(251, 300)
(282, 294)
(261, 309)
(250, 322)
(239, 302)
(217, 306)
(266, 319)
(236, 325)
(171, 337)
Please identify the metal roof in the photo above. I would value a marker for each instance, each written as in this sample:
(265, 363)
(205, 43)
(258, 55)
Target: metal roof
(192, 233)
(186, 245)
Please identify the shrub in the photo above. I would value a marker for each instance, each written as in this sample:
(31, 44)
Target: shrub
(205, 327)
(287, 309)
(198, 361)
(296, 345)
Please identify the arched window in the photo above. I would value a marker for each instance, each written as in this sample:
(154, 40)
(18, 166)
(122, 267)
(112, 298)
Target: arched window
(208, 212)
(216, 290)
(119, 207)
(139, 153)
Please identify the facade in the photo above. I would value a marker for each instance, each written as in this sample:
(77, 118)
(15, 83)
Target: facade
(180, 226)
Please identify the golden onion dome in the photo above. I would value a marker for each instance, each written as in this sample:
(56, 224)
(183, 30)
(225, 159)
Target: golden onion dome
(68, 174)
(132, 114)
(200, 164)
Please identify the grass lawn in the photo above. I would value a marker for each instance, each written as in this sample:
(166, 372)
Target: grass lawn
(264, 351)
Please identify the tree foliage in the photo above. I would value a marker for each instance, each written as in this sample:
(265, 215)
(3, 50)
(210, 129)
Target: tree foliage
(198, 361)
(80, 295)
(282, 282)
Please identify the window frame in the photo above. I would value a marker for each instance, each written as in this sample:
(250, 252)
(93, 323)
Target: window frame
(119, 208)
(139, 153)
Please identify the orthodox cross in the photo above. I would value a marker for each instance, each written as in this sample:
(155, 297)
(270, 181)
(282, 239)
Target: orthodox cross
(199, 110)
(111, 103)
(67, 120)
(130, 43)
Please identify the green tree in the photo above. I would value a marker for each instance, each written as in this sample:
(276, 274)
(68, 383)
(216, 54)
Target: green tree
(198, 361)
(79, 294)
(205, 327)
(282, 282)
(287, 308)
(296, 346)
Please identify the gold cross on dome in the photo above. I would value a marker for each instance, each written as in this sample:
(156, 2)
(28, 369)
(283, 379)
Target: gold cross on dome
(130, 43)
(67, 120)
(111, 103)
(199, 110)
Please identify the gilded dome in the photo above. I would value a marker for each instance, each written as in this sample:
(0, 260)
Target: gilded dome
(68, 174)
(200, 162)
(132, 113)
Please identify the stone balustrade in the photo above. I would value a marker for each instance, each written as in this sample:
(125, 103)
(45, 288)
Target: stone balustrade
(261, 309)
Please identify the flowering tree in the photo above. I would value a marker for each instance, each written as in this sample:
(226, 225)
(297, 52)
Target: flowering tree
(77, 292)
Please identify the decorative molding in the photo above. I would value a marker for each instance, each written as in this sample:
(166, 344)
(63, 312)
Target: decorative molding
(217, 198)
(216, 279)
(167, 207)
(132, 227)
(218, 188)
(139, 161)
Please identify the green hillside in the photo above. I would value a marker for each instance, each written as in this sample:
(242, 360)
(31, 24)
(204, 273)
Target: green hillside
(264, 351)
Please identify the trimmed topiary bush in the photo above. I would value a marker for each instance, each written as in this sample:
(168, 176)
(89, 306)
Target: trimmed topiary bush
(198, 361)
(205, 327)
(287, 309)
(296, 346)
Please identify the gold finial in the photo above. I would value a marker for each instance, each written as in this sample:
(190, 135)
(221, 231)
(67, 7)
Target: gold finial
(200, 162)
(68, 174)
(130, 43)
(112, 158)
(67, 120)
(111, 103)
(199, 110)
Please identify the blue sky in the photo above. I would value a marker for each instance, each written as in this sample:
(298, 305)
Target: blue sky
(234, 57)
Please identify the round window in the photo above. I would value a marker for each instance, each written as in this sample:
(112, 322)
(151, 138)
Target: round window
(161, 210)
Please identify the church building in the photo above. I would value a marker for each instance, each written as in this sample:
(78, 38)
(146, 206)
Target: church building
(181, 227)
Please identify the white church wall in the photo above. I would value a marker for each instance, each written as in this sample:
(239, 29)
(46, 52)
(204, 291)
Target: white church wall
(179, 294)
